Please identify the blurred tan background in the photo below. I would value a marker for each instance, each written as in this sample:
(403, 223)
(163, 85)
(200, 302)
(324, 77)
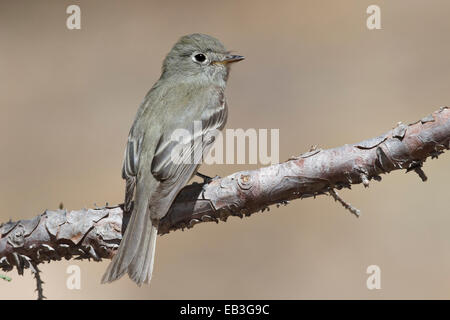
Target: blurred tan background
(312, 69)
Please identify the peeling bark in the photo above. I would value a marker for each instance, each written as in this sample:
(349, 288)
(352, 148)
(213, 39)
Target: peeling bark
(96, 233)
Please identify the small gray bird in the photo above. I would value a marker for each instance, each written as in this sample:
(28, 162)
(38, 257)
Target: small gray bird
(189, 95)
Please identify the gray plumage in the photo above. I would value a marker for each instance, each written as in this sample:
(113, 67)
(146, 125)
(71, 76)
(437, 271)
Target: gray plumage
(189, 95)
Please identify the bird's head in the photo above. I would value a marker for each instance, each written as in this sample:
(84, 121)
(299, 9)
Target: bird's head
(199, 55)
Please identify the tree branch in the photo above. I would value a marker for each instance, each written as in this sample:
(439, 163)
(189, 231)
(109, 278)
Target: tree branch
(96, 233)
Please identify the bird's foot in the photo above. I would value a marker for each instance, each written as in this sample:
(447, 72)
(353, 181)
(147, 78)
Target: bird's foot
(206, 179)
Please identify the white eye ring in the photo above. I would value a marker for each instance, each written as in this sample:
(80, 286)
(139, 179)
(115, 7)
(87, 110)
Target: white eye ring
(199, 57)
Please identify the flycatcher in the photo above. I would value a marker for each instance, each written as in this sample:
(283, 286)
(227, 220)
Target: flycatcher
(189, 92)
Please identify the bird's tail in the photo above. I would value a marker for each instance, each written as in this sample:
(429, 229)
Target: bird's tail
(137, 248)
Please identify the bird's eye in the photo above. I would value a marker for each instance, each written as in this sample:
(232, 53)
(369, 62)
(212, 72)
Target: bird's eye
(200, 57)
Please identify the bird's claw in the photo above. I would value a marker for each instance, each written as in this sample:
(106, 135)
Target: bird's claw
(206, 179)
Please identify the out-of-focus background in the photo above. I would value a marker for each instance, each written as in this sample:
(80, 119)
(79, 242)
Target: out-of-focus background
(312, 69)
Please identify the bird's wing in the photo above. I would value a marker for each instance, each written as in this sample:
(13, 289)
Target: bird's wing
(131, 158)
(130, 167)
(177, 157)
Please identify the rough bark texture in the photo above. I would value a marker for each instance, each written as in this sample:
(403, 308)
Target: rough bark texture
(96, 233)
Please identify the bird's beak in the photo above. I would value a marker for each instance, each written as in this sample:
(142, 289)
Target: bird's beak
(230, 59)
(233, 58)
